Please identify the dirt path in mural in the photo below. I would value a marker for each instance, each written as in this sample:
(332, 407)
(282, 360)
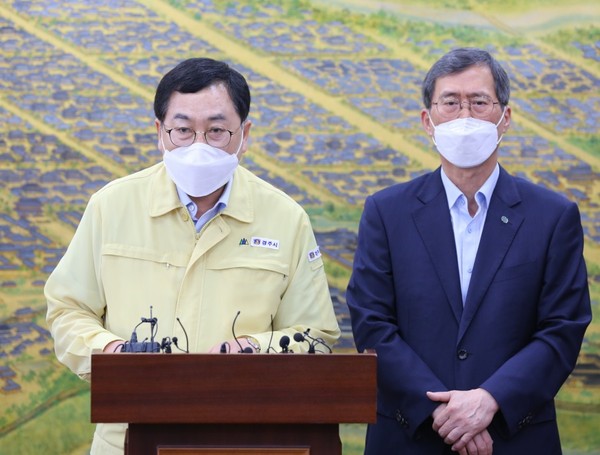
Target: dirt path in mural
(268, 67)
(33, 413)
(36, 30)
(527, 21)
(548, 17)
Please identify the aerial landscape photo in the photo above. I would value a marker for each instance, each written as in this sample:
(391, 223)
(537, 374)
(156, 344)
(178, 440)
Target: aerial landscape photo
(336, 105)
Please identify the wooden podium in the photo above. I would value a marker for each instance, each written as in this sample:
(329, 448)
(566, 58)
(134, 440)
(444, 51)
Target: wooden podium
(239, 404)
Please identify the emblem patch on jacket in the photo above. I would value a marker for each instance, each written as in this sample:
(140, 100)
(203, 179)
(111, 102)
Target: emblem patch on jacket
(264, 243)
(314, 254)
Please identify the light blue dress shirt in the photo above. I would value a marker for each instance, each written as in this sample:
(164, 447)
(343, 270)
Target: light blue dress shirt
(467, 228)
(219, 206)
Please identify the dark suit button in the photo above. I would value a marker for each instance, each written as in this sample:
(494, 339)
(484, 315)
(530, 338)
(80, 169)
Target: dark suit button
(525, 421)
(401, 420)
(398, 415)
(462, 354)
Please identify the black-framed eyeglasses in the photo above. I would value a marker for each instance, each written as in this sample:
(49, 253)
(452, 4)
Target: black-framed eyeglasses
(481, 106)
(216, 137)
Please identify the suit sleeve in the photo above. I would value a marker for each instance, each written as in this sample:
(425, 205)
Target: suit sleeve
(403, 377)
(532, 377)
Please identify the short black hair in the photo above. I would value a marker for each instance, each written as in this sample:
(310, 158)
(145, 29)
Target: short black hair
(458, 60)
(195, 74)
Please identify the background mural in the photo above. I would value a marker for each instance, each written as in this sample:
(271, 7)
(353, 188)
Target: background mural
(336, 108)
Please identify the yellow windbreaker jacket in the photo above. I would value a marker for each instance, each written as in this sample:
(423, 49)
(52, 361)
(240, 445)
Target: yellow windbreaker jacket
(136, 248)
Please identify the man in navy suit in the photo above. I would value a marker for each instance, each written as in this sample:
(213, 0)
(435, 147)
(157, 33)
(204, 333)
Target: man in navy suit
(469, 284)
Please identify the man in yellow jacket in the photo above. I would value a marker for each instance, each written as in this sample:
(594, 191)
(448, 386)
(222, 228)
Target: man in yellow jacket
(196, 238)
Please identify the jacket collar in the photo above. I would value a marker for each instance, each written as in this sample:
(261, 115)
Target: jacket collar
(164, 198)
(241, 206)
(502, 223)
(434, 224)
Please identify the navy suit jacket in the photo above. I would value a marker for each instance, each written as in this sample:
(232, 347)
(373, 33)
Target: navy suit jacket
(520, 330)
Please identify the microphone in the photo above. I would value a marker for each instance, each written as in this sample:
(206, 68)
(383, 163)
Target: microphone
(247, 350)
(299, 338)
(133, 345)
(271, 337)
(314, 342)
(144, 346)
(284, 342)
(153, 325)
(187, 344)
(165, 346)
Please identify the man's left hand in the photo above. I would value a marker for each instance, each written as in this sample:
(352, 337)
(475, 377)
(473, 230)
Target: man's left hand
(463, 415)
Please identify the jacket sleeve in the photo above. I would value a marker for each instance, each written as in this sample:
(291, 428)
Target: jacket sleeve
(75, 298)
(403, 377)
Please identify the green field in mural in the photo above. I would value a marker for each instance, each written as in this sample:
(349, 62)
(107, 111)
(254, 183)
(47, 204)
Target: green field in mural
(336, 106)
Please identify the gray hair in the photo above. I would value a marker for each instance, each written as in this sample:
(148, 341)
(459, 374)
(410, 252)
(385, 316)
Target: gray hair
(458, 60)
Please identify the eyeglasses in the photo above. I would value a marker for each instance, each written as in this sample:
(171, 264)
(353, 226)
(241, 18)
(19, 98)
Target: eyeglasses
(450, 106)
(216, 137)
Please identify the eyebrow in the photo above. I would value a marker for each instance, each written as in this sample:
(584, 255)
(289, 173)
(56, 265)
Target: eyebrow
(212, 118)
(469, 95)
(217, 117)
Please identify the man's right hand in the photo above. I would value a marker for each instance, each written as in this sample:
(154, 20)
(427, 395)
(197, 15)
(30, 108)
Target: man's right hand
(481, 444)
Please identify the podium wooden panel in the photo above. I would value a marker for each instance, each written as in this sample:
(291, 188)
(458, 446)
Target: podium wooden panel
(205, 404)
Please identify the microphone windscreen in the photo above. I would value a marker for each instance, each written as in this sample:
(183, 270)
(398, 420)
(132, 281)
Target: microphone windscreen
(298, 337)
(284, 341)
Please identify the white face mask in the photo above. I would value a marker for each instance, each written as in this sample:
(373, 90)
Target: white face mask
(466, 142)
(200, 169)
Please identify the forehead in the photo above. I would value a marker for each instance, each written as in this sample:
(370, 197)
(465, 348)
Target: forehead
(208, 104)
(475, 80)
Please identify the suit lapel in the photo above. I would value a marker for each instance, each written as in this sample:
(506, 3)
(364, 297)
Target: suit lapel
(501, 225)
(435, 228)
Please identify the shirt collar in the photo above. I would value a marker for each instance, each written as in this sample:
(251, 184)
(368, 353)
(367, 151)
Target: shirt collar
(219, 205)
(453, 193)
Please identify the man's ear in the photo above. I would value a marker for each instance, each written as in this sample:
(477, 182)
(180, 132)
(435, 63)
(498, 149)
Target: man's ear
(426, 122)
(505, 123)
(247, 127)
(159, 145)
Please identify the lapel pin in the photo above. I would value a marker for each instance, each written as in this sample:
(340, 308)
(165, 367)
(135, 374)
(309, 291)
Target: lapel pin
(504, 219)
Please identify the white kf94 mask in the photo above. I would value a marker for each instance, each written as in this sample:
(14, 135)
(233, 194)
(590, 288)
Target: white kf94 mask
(466, 142)
(200, 169)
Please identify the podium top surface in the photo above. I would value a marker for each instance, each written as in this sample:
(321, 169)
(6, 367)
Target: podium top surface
(233, 388)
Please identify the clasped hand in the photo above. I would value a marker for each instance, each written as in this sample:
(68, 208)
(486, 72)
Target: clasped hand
(462, 419)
